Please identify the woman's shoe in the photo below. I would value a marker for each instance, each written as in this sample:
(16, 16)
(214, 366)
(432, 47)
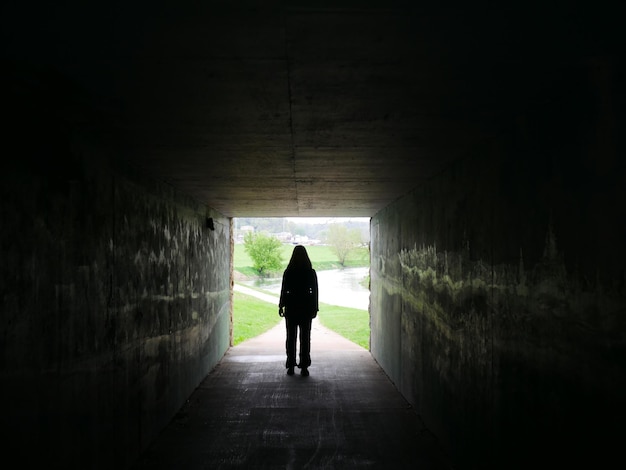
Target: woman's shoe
(305, 372)
(290, 371)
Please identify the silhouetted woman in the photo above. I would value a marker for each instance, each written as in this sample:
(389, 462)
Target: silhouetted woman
(299, 305)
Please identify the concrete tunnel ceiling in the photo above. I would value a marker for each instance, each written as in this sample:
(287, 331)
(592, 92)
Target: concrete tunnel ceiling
(307, 110)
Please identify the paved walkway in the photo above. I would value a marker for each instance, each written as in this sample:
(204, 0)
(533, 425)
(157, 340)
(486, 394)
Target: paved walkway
(248, 414)
(259, 295)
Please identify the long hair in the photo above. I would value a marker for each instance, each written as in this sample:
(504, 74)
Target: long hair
(299, 259)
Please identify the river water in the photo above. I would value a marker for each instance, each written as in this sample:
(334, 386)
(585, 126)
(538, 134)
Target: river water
(336, 287)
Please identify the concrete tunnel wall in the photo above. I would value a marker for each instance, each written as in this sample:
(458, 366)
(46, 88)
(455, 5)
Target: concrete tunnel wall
(116, 303)
(498, 302)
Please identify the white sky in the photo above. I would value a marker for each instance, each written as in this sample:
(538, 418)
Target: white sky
(322, 220)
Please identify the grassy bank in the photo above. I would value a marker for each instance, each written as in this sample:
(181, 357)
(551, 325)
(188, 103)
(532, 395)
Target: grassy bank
(252, 317)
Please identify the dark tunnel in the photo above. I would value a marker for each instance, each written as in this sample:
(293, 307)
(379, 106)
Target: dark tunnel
(485, 141)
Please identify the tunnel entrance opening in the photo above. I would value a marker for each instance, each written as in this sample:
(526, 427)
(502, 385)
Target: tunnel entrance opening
(339, 252)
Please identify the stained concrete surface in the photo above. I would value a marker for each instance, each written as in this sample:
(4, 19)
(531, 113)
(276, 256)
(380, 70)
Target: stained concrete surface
(248, 413)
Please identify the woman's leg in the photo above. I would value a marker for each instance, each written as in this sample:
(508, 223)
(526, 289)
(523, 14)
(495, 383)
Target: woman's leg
(290, 343)
(305, 343)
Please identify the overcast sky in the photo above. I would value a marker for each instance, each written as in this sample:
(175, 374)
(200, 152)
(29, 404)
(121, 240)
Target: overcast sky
(326, 220)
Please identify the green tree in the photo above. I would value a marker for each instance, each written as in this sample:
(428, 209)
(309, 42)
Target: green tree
(342, 241)
(265, 252)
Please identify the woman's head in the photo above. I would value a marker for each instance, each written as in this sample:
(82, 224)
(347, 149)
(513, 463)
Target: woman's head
(300, 258)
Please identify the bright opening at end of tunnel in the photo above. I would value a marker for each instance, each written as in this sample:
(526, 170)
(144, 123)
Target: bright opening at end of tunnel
(339, 252)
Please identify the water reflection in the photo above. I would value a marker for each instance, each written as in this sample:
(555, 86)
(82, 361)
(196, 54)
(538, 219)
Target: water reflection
(337, 287)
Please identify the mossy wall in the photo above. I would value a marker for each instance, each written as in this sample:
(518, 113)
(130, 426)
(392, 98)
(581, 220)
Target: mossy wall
(116, 302)
(498, 301)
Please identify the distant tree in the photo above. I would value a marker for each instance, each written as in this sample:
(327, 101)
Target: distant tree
(342, 241)
(265, 251)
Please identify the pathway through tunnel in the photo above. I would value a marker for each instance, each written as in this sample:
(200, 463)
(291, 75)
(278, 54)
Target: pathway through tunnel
(247, 413)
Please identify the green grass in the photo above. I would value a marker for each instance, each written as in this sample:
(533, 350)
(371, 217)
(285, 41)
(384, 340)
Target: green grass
(351, 323)
(252, 317)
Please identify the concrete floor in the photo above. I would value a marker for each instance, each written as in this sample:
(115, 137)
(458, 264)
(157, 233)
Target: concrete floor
(248, 413)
